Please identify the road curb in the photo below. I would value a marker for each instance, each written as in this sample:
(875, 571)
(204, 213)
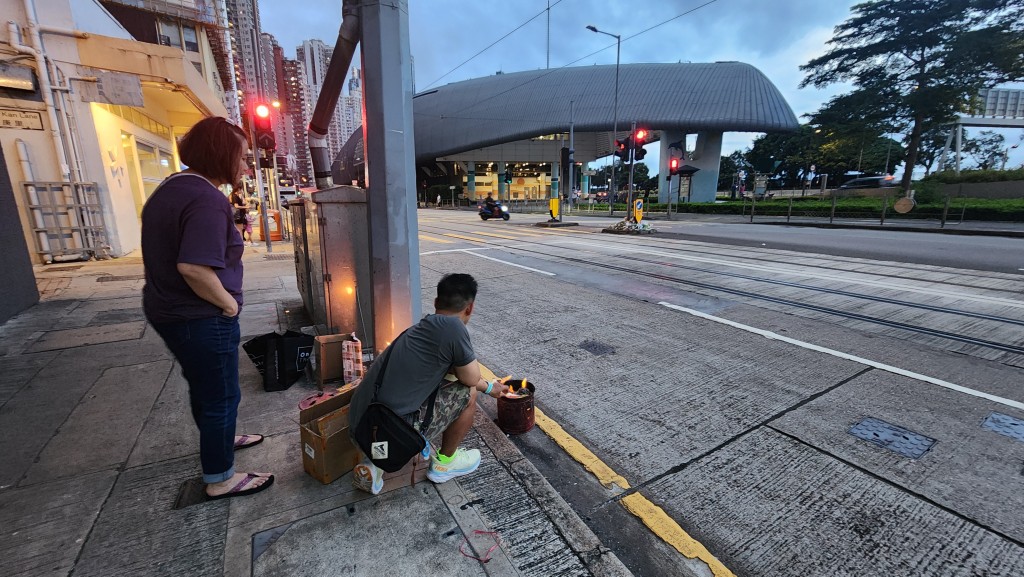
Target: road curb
(599, 560)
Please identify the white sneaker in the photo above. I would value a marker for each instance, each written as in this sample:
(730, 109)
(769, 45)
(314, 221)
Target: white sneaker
(464, 462)
(368, 477)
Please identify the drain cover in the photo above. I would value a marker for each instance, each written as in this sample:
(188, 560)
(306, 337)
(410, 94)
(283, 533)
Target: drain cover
(597, 348)
(111, 278)
(1004, 425)
(279, 256)
(888, 436)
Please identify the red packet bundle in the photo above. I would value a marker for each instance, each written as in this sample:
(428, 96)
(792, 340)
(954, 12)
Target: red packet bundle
(352, 359)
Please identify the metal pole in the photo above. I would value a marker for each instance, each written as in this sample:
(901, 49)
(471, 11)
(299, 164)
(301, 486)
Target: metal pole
(885, 208)
(790, 212)
(833, 214)
(615, 125)
(945, 211)
(572, 157)
(629, 187)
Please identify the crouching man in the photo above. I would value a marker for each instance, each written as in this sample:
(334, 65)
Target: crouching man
(420, 359)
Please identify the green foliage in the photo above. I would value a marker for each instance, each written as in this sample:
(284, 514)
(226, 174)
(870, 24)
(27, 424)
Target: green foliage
(950, 177)
(923, 58)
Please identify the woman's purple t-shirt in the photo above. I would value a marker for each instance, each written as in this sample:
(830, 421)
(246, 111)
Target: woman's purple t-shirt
(187, 220)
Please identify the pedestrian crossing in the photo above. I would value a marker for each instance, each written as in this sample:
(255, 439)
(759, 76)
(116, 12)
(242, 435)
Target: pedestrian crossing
(487, 237)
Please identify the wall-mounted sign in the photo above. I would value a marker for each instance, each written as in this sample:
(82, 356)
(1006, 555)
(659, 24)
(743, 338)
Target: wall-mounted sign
(109, 87)
(24, 119)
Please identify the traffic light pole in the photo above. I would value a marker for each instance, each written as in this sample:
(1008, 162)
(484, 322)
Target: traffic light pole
(629, 193)
(258, 173)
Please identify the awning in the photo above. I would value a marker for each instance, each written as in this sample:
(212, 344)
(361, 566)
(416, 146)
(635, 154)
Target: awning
(169, 80)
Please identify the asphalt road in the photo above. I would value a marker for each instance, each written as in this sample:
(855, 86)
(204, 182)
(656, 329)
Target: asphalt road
(724, 382)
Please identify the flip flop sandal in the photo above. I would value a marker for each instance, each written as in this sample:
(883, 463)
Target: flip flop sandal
(245, 441)
(237, 491)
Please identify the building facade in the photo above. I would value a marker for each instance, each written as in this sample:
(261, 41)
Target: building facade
(90, 120)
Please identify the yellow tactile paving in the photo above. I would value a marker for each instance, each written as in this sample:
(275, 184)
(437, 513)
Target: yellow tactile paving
(429, 238)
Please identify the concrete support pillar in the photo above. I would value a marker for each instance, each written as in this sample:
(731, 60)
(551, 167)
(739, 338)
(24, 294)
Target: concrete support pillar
(707, 156)
(502, 187)
(471, 181)
(390, 178)
(585, 179)
(555, 168)
(667, 137)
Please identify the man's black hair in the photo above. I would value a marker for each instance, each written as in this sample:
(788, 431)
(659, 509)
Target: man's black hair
(455, 292)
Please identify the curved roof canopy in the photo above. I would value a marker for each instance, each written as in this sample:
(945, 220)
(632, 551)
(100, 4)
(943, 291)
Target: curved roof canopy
(719, 97)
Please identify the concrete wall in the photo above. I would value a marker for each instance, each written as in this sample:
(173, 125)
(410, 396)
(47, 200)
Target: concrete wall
(18, 290)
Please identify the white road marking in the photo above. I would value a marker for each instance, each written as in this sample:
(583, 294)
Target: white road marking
(511, 263)
(456, 250)
(808, 274)
(849, 357)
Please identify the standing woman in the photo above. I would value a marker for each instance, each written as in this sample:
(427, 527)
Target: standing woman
(240, 206)
(193, 259)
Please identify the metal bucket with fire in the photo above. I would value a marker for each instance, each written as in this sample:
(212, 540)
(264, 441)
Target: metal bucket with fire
(515, 407)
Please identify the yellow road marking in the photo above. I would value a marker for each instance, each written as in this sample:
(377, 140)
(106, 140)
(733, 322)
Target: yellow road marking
(434, 239)
(493, 234)
(656, 519)
(469, 238)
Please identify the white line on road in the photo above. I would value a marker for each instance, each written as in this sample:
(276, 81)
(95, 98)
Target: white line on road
(456, 250)
(510, 263)
(855, 278)
(849, 357)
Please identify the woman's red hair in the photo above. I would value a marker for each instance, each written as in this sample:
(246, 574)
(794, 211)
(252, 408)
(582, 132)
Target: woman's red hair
(213, 148)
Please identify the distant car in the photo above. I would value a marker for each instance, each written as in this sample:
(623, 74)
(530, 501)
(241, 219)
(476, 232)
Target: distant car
(871, 182)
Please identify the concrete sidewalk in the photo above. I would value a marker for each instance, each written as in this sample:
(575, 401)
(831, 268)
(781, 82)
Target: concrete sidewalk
(96, 440)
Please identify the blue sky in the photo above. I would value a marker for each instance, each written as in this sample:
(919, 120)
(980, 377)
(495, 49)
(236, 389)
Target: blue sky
(774, 36)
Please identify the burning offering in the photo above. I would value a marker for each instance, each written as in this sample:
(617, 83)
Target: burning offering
(515, 407)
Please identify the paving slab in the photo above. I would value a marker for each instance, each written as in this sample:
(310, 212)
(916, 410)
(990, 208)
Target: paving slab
(45, 526)
(962, 470)
(138, 534)
(93, 437)
(16, 372)
(768, 504)
(408, 532)
(92, 335)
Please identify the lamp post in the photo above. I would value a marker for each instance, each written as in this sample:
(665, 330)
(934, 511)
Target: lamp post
(615, 114)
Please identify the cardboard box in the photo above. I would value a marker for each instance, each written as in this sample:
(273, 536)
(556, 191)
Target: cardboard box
(327, 361)
(327, 452)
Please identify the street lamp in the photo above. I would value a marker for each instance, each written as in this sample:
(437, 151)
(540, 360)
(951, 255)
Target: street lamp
(615, 113)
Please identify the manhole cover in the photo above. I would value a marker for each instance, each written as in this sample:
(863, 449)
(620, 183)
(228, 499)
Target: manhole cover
(111, 278)
(888, 436)
(279, 257)
(597, 348)
(1004, 425)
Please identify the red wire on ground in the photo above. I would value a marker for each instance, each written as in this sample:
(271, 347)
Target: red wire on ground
(487, 555)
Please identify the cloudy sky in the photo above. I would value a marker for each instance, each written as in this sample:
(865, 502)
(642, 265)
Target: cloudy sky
(775, 36)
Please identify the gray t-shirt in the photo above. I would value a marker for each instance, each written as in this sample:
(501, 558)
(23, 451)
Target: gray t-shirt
(419, 360)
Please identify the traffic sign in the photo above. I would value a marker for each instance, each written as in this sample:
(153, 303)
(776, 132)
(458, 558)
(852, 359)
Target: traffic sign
(638, 209)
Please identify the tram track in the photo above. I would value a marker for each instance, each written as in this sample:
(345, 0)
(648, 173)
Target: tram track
(976, 341)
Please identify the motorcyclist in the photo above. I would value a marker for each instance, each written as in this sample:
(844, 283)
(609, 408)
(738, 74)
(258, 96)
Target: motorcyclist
(490, 205)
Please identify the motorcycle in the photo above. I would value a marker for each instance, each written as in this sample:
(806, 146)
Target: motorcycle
(497, 211)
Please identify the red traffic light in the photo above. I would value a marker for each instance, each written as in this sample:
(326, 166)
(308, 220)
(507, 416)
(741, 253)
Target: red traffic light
(262, 110)
(673, 164)
(640, 135)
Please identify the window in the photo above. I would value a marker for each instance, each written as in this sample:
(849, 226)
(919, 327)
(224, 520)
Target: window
(169, 34)
(191, 41)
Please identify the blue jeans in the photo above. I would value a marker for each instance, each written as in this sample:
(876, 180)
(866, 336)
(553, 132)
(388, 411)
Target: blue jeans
(207, 350)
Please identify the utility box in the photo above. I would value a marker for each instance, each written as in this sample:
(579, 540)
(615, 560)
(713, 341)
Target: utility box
(335, 239)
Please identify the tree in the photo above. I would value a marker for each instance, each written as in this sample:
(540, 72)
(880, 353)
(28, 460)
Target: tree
(935, 54)
(987, 149)
(729, 167)
(933, 142)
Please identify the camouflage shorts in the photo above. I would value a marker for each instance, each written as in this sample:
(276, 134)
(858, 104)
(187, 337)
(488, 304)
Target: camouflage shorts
(452, 399)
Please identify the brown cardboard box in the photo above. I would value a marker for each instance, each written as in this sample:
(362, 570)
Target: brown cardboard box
(327, 452)
(327, 360)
